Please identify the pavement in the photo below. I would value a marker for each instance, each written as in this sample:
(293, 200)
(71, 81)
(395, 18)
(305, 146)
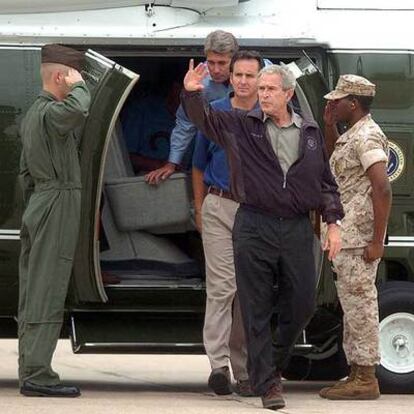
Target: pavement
(162, 384)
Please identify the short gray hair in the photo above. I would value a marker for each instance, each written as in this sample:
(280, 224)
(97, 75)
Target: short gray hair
(288, 78)
(221, 42)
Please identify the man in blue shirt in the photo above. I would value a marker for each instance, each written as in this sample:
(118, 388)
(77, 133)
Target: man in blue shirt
(219, 48)
(215, 210)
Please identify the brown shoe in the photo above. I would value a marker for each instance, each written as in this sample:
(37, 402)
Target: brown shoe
(219, 381)
(363, 387)
(244, 389)
(323, 392)
(272, 399)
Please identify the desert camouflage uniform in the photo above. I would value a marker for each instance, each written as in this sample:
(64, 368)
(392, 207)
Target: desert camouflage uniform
(355, 151)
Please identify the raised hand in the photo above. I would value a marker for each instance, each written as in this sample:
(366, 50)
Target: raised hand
(72, 77)
(329, 114)
(193, 80)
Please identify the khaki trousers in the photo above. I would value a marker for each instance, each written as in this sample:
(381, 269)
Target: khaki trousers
(358, 296)
(224, 338)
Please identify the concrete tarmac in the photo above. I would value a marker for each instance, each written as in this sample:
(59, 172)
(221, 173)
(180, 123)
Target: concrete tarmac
(162, 384)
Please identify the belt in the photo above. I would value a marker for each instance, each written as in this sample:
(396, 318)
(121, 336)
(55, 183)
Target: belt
(268, 213)
(56, 185)
(219, 192)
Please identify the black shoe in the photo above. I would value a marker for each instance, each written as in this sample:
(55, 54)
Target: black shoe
(33, 390)
(219, 381)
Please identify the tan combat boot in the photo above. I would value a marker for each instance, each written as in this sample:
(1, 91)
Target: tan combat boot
(363, 387)
(339, 384)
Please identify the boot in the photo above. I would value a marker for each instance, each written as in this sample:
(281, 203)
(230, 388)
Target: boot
(339, 384)
(363, 387)
(272, 399)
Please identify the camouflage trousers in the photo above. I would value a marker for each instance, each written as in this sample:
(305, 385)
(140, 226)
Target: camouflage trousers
(358, 296)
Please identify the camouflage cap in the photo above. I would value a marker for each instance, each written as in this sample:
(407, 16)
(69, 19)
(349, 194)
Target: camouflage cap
(54, 53)
(351, 85)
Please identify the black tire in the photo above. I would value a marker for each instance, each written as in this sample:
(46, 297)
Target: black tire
(332, 368)
(396, 297)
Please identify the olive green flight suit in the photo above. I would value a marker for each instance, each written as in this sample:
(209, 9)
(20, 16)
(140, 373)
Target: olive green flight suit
(51, 182)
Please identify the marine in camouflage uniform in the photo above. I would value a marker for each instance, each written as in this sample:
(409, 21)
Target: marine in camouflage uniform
(51, 179)
(358, 163)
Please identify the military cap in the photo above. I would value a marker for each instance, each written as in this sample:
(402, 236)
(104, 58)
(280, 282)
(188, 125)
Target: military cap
(54, 53)
(351, 85)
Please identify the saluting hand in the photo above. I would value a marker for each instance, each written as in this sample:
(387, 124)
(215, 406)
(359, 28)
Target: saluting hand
(193, 80)
(72, 77)
(329, 116)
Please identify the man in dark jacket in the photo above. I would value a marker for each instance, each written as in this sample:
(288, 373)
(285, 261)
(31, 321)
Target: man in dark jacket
(279, 173)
